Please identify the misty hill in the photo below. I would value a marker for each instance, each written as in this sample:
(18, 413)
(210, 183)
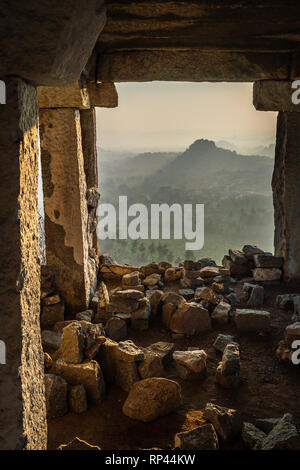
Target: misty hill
(235, 189)
(204, 164)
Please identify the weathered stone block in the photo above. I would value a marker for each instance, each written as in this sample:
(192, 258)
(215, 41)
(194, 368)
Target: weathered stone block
(190, 319)
(201, 438)
(190, 365)
(252, 320)
(221, 313)
(227, 422)
(88, 374)
(151, 398)
(51, 339)
(222, 341)
(163, 350)
(56, 396)
(292, 333)
(77, 399)
(252, 436)
(151, 365)
(266, 261)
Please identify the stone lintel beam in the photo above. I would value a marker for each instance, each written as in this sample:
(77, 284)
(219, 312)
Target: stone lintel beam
(22, 396)
(103, 94)
(49, 42)
(191, 65)
(65, 203)
(73, 96)
(81, 95)
(286, 193)
(274, 95)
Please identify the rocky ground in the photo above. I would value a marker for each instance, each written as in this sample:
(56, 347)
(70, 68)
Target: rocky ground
(197, 356)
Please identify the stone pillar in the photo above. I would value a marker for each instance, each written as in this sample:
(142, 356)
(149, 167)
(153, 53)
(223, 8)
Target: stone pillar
(66, 210)
(286, 192)
(88, 132)
(22, 409)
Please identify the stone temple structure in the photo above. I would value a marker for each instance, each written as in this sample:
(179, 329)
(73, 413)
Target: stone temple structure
(59, 60)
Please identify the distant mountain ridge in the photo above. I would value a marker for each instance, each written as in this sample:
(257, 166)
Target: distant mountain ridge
(203, 163)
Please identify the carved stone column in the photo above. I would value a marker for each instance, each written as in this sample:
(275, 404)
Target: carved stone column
(22, 409)
(65, 203)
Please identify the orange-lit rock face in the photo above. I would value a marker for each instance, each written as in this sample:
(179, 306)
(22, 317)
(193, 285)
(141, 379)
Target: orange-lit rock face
(23, 411)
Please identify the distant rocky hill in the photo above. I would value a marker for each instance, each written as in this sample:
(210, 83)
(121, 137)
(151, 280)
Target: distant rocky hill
(235, 190)
(205, 164)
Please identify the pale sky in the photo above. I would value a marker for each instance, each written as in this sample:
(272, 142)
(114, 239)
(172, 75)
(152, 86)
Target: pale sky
(172, 115)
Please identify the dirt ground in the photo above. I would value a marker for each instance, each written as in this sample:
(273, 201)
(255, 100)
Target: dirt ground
(269, 389)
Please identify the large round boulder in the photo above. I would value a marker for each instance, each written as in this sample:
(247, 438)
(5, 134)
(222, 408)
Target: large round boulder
(153, 397)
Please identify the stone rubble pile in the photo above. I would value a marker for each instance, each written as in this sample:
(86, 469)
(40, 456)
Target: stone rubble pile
(83, 354)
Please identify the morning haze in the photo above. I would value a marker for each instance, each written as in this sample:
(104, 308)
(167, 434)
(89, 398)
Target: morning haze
(189, 143)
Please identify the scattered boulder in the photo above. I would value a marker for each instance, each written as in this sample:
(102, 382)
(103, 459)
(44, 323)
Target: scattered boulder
(190, 365)
(78, 444)
(251, 250)
(266, 261)
(151, 398)
(222, 341)
(72, 343)
(252, 320)
(51, 339)
(77, 337)
(88, 374)
(209, 271)
(87, 315)
(286, 301)
(125, 357)
(116, 329)
(201, 438)
(56, 396)
(227, 422)
(228, 371)
(252, 436)
(284, 436)
(155, 297)
(190, 319)
(151, 365)
(188, 294)
(238, 257)
(131, 279)
(266, 425)
(152, 279)
(256, 298)
(173, 274)
(267, 274)
(221, 313)
(164, 350)
(292, 333)
(208, 294)
(77, 399)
